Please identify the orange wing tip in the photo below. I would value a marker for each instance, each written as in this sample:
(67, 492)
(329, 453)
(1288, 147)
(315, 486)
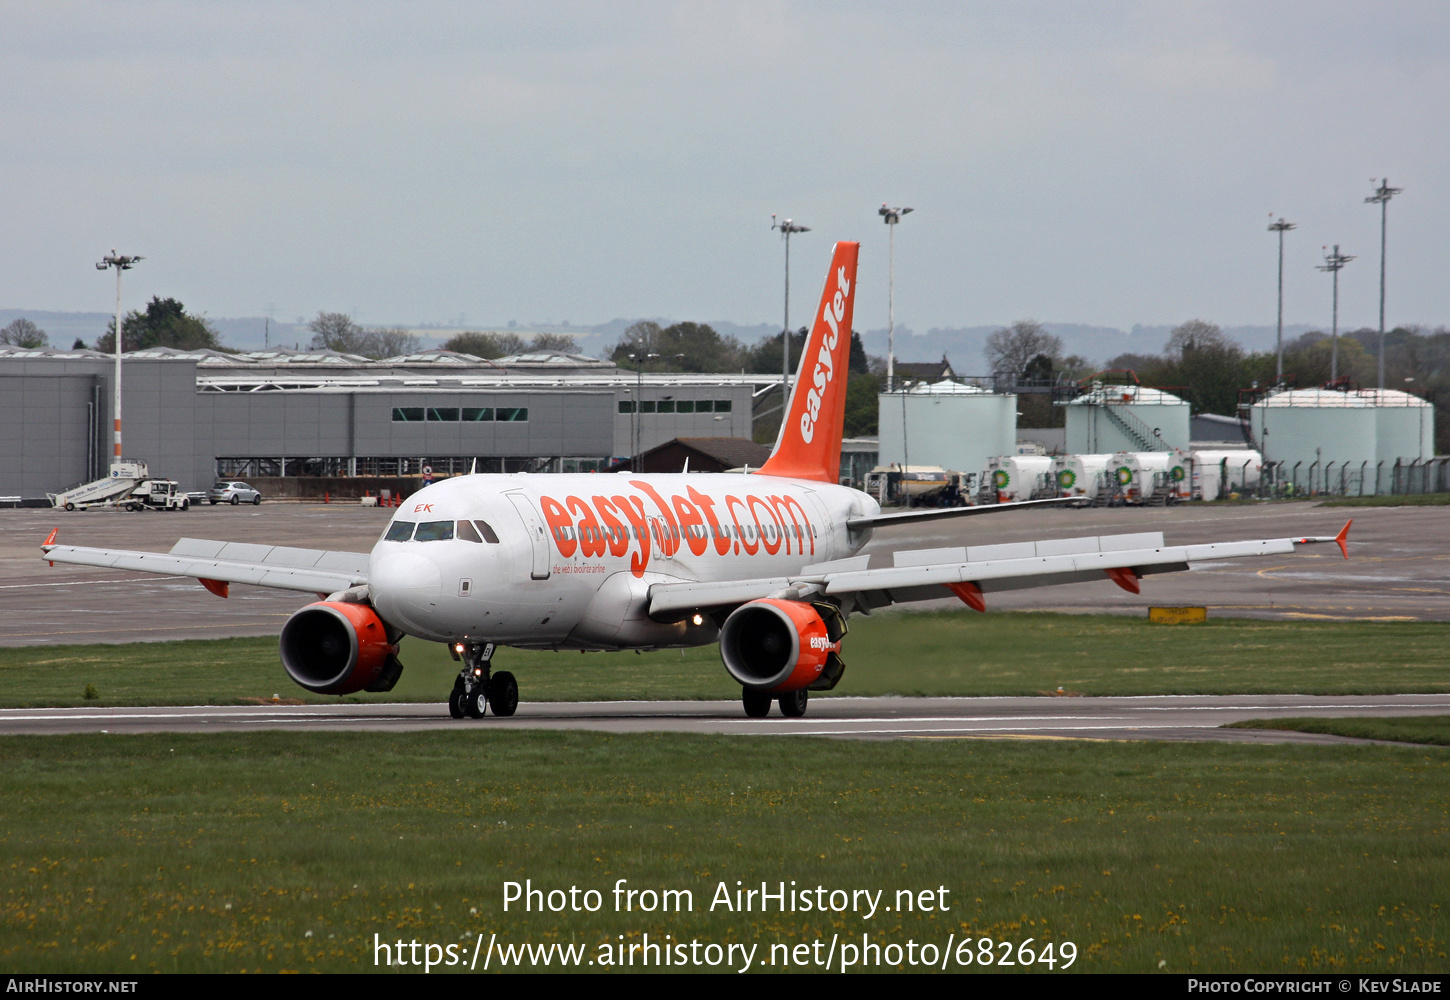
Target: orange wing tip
(218, 587)
(1342, 539)
(46, 545)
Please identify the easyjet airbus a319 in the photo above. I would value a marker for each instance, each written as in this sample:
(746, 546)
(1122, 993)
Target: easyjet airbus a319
(768, 564)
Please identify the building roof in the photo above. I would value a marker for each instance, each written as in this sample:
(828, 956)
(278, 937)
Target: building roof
(705, 454)
(1136, 395)
(924, 369)
(1341, 398)
(732, 453)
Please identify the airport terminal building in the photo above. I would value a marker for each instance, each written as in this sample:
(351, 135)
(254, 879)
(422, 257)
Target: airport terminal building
(195, 415)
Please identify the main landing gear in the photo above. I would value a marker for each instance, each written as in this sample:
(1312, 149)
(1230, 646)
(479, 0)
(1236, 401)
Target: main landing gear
(757, 703)
(478, 689)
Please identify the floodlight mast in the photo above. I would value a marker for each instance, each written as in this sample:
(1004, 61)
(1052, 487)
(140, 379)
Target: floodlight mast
(120, 262)
(786, 227)
(1333, 262)
(1280, 226)
(891, 216)
(1382, 196)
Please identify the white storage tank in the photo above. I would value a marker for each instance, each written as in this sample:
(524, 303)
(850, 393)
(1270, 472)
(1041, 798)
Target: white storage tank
(1342, 441)
(1019, 477)
(949, 424)
(1137, 472)
(1079, 475)
(1130, 418)
(1218, 473)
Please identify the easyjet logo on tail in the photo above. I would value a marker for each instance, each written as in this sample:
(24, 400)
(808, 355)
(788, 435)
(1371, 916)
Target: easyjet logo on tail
(832, 313)
(809, 446)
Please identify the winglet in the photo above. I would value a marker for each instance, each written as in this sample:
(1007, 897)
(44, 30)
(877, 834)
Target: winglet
(1342, 539)
(49, 541)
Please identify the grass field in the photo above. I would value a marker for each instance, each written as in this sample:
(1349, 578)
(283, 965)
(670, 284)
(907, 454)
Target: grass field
(1429, 729)
(935, 653)
(273, 851)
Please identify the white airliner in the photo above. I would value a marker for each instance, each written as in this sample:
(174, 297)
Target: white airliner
(766, 564)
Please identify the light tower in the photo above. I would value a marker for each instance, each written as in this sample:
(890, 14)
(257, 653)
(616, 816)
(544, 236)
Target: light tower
(1333, 262)
(891, 216)
(1382, 196)
(121, 263)
(786, 227)
(1280, 226)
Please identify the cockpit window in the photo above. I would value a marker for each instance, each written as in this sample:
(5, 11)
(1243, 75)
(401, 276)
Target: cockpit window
(434, 531)
(488, 535)
(467, 533)
(399, 531)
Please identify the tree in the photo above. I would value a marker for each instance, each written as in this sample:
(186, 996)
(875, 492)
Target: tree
(860, 363)
(1197, 335)
(765, 357)
(165, 323)
(686, 347)
(554, 343)
(862, 404)
(486, 345)
(390, 342)
(23, 333)
(1012, 347)
(335, 332)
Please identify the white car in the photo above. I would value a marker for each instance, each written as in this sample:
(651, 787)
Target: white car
(232, 493)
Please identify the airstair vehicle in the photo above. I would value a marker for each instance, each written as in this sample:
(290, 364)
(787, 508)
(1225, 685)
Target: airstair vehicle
(129, 485)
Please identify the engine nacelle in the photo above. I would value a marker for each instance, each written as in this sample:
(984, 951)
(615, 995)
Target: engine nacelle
(781, 646)
(337, 648)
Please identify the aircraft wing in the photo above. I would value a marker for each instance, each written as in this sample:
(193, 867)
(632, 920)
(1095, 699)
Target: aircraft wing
(971, 572)
(939, 513)
(216, 564)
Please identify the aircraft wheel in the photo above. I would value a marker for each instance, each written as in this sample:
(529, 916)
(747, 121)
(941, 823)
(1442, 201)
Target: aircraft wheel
(70, 506)
(475, 703)
(757, 703)
(503, 694)
(793, 705)
(455, 703)
(236, 499)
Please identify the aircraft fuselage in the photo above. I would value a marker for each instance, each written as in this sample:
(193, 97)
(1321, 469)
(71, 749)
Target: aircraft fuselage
(566, 561)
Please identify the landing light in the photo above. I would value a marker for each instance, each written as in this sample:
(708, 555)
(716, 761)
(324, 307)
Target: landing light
(458, 648)
(697, 620)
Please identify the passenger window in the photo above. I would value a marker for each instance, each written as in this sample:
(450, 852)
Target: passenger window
(467, 533)
(488, 535)
(434, 531)
(399, 531)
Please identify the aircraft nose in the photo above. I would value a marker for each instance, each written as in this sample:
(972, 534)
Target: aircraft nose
(405, 588)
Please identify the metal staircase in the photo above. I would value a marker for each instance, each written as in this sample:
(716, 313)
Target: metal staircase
(1135, 429)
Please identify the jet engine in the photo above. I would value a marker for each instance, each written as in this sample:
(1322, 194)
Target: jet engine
(334, 647)
(781, 646)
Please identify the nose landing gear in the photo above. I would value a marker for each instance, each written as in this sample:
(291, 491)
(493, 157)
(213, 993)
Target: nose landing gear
(478, 689)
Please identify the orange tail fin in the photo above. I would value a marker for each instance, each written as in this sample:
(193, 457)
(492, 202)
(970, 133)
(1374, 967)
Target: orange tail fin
(809, 445)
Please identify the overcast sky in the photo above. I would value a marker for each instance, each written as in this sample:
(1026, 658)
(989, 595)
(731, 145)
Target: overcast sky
(1105, 163)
